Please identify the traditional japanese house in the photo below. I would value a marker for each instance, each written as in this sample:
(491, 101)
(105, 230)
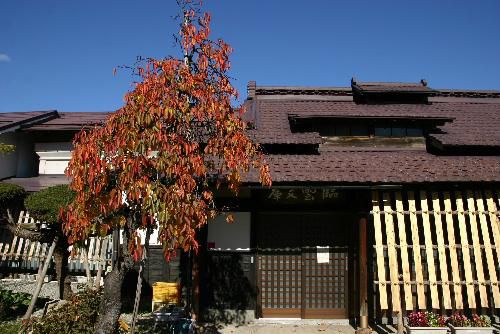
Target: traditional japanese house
(385, 199)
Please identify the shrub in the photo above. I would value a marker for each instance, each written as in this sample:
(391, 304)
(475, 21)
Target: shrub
(77, 316)
(11, 195)
(10, 327)
(46, 204)
(480, 321)
(13, 304)
(426, 319)
(460, 320)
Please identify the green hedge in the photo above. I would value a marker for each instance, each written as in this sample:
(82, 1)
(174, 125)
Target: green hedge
(45, 205)
(11, 195)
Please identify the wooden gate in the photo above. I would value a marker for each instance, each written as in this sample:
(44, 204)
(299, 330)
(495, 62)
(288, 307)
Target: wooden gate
(325, 284)
(280, 275)
(303, 262)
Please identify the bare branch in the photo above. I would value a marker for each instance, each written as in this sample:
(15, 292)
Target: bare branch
(15, 229)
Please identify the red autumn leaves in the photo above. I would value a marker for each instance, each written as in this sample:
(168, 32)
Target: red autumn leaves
(155, 161)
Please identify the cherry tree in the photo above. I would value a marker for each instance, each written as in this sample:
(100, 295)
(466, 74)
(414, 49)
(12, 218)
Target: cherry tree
(157, 161)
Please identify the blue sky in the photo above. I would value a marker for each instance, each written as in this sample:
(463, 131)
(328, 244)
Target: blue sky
(60, 54)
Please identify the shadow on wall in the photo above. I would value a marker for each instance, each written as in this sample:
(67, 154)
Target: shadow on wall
(129, 289)
(230, 296)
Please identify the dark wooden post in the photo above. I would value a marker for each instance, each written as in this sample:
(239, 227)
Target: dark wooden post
(198, 268)
(196, 285)
(363, 275)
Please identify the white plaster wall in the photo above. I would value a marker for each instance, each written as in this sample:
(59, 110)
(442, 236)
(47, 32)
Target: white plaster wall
(235, 236)
(54, 157)
(153, 238)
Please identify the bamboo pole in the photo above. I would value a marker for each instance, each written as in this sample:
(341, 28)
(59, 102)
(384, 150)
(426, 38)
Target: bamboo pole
(429, 251)
(443, 267)
(464, 239)
(379, 250)
(416, 252)
(40, 279)
(86, 266)
(405, 263)
(101, 263)
(393, 260)
(453, 252)
(478, 256)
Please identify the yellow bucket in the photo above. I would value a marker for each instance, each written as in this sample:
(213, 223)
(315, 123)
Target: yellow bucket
(165, 292)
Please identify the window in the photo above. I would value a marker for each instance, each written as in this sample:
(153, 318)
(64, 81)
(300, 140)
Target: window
(398, 132)
(331, 127)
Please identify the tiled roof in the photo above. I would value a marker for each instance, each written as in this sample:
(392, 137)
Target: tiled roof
(51, 120)
(10, 117)
(72, 121)
(474, 124)
(11, 121)
(353, 167)
(473, 120)
(381, 167)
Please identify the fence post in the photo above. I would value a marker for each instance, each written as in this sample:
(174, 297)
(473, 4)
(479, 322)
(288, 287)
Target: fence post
(40, 279)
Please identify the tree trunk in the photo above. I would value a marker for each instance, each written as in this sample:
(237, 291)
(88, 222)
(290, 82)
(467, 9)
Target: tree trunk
(111, 302)
(61, 255)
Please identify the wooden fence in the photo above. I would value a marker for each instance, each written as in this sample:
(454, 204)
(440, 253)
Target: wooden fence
(437, 250)
(23, 255)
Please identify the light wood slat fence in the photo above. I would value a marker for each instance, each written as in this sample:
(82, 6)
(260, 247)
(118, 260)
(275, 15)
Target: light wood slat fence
(18, 254)
(436, 250)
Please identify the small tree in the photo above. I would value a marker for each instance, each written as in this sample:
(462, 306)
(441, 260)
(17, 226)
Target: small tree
(11, 203)
(46, 206)
(155, 162)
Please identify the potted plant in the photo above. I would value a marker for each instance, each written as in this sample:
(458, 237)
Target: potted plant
(426, 322)
(460, 324)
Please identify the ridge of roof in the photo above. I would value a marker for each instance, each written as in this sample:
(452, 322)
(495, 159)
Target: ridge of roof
(14, 121)
(280, 90)
(361, 88)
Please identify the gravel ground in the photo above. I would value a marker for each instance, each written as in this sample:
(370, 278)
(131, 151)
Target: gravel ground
(304, 328)
(49, 289)
(146, 322)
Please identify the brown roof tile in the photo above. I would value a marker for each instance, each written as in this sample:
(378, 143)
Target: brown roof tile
(401, 167)
(10, 121)
(60, 120)
(353, 167)
(72, 121)
(473, 123)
